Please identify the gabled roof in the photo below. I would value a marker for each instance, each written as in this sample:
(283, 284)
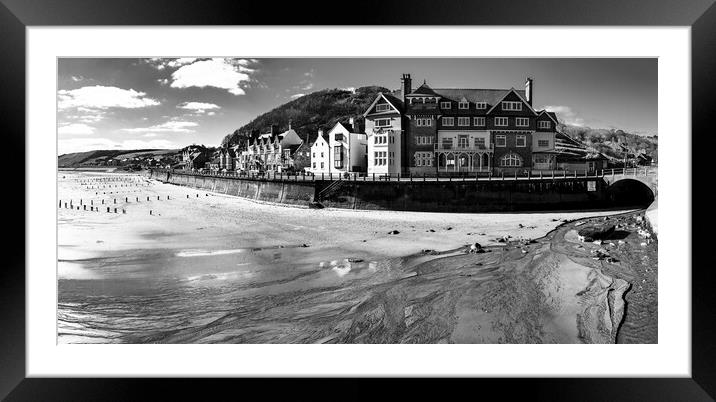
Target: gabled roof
(522, 98)
(392, 100)
(423, 90)
(551, 115)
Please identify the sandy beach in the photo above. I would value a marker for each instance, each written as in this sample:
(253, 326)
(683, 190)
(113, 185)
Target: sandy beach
(204, 268)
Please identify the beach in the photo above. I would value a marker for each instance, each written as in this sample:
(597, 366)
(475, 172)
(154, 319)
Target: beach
(180, 265)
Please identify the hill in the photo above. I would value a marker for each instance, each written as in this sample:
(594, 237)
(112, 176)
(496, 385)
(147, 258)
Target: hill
(321, 109)
(613, 142)
(102, 157)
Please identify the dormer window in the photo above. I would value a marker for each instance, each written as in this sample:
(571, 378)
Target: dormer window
(445, 105)
(383, 107)
(481, 105)
(511, 106)
(463, 105)
(544, 124)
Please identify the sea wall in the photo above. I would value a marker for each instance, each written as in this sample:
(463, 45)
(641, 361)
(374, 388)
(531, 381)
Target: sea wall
(261, 190)
(430, 196)
(469, 196)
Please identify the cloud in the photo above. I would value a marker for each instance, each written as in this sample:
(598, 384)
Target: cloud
(226, 74)
(198, 107)
(90, 117)
(566, 114)
(75, 129)
(296, 96)
(70, 145)
(77, 78)
(163, 81)
(181, 61)
(101, 97)
(172, 126)
(350, 89)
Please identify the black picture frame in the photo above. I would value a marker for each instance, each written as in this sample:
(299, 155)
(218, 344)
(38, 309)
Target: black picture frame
(16, 15)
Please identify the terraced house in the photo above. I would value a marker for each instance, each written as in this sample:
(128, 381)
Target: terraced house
(461, 130)
(272, 151)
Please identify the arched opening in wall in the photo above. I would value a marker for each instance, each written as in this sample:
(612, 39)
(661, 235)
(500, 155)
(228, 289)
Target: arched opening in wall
(630, 193)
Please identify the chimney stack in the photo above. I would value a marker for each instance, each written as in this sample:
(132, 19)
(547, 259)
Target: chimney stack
(407, 85)
(529, 90)
(274, 129)
(289, 124)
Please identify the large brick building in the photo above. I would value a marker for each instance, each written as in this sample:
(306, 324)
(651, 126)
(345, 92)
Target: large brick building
(459, 130)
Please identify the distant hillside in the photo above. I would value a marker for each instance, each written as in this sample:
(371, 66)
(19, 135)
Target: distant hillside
(96, 158)
(612, 142)
(310, 112)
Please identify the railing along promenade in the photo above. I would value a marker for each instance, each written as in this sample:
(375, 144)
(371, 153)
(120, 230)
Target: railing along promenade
(453, 176)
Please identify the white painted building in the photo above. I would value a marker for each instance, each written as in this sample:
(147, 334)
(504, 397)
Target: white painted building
(321, 154)
(384, 132)
(348, 148)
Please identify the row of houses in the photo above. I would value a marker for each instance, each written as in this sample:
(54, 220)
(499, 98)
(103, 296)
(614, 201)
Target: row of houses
(425, 131)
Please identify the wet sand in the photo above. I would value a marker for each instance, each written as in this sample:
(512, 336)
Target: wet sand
(222, 269)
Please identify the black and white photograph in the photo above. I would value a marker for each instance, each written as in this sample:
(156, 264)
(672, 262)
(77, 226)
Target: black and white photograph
(437, 200)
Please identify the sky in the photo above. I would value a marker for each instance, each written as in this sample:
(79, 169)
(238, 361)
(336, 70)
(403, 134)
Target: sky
(123, 103)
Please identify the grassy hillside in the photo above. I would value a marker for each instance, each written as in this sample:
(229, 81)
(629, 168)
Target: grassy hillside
(310, 112)
(94, 158)
(612, 142)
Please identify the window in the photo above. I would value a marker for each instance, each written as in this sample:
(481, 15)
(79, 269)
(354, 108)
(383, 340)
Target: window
(444, 105)
(392, 139)
(339, 137)
(380, 139)
(383, 107)
(321, 154)
(463, 105)
(322, 164)
(500, 141)
(514, 106)
(448, 121)
(542, 159)
(478, 121)
(314, 165)
(523, 121)
(423, 159)
(380, 158)
(447, 143)
(521, 140)
(423, 140)
(511, 160)
(382, 122)
(543, 143)
(462, 141)
(500, 121)
(424, 122)
(463, 121)
(481, 105)
(545, 124)
(338, 157)
(314, 155)
(479, 142)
